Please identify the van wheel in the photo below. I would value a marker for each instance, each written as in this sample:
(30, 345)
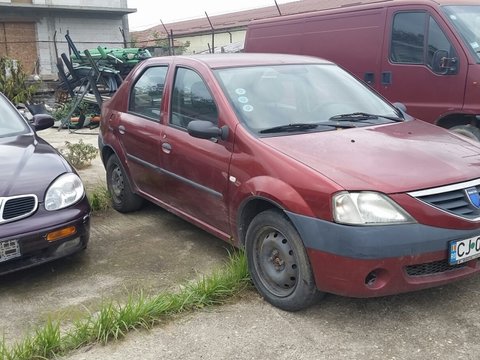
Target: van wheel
(470, 131)
(278, 262)
(123, 199)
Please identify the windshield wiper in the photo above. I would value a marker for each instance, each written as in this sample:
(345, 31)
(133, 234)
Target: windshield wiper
(305, 126)
(324, 126)
(289, 127)
(361, 116)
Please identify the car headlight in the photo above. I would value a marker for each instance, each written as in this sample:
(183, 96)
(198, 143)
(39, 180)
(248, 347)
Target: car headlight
(65, 191)
(367, 208)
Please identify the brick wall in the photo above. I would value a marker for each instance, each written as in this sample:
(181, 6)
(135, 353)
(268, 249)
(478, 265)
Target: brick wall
(18, 41)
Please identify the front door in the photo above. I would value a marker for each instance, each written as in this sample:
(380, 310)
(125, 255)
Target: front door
(410, 71)
(195, 170)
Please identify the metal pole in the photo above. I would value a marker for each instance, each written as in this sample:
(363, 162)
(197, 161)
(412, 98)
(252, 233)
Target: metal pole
(5, 37)
(213, 34)
(168, 37)
(55, 44)
(124, 38)
(278, 8)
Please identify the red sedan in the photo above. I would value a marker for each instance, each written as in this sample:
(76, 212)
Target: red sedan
(328, 187)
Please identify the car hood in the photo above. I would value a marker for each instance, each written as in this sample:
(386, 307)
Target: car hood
(28, 166)
(390, 158)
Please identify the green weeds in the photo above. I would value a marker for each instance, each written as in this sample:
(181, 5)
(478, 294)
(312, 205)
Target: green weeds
(100, 199)
(13, 81)
(114, 321)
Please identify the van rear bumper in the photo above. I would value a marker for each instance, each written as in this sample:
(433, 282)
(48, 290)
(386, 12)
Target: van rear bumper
(369, 261)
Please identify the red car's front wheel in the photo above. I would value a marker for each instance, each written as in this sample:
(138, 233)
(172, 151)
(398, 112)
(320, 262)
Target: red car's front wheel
(278, 262)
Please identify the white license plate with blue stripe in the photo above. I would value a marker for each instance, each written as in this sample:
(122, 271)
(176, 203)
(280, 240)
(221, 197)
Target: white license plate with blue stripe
(464, 250)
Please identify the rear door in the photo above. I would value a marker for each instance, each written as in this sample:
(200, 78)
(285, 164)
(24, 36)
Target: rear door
(409, 73)
(139, 128)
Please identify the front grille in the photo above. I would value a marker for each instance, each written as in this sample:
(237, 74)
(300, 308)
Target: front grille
(432, 268)
(17, 207)
(459, 199)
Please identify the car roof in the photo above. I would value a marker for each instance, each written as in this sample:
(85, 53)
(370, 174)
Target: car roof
(241, 59)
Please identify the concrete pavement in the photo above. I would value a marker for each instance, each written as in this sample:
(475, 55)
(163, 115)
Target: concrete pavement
(154, 250)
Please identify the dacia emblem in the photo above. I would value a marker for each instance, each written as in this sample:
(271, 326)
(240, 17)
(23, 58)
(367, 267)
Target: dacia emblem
(473, 196)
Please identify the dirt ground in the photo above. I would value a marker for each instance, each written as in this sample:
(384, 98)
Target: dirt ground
(151, 250)
(154, 250)
(92, 175)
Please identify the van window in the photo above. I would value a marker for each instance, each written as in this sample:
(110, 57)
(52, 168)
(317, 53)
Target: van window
(408, 37)
(416, 37)
(146, 94)
(436, 41)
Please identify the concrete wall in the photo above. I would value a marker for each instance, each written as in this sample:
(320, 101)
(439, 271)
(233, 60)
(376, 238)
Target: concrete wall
(200, 43)
(87, 33)
(88, 30)
(92, 3)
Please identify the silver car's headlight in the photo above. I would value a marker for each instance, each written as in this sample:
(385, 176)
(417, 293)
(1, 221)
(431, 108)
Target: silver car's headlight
(65, 191)
(367, 208)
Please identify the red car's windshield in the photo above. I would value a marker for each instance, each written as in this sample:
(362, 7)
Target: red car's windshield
(271, 96)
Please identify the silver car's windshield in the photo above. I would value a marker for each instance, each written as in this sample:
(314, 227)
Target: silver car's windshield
(11, 123)
(466, 20)
(301, 97)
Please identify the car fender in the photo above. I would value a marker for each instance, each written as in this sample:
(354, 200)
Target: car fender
(109, 150)
(279, 193)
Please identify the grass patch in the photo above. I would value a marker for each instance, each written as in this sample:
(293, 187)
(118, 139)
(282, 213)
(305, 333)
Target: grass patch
(100, 199)
(114, 321)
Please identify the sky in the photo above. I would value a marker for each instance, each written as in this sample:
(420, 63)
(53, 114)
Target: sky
(150, 12)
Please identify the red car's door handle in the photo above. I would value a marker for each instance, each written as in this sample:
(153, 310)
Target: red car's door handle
(166, 148)
(121, 129)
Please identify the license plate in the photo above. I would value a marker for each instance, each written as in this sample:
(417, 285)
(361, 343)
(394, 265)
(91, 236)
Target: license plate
(9, 249)
(464, 250)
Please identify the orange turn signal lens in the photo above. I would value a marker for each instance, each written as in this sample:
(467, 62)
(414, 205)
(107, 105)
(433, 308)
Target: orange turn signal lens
(62, 233)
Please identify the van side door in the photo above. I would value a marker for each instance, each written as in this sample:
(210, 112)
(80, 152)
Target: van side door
(423, 65)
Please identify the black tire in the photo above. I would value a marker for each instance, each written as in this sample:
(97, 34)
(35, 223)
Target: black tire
(278, 262)
(123, 199)
(468, 131)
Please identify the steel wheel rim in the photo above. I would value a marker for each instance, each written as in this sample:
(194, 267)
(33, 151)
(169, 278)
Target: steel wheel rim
(276, 262)
(117, 182)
